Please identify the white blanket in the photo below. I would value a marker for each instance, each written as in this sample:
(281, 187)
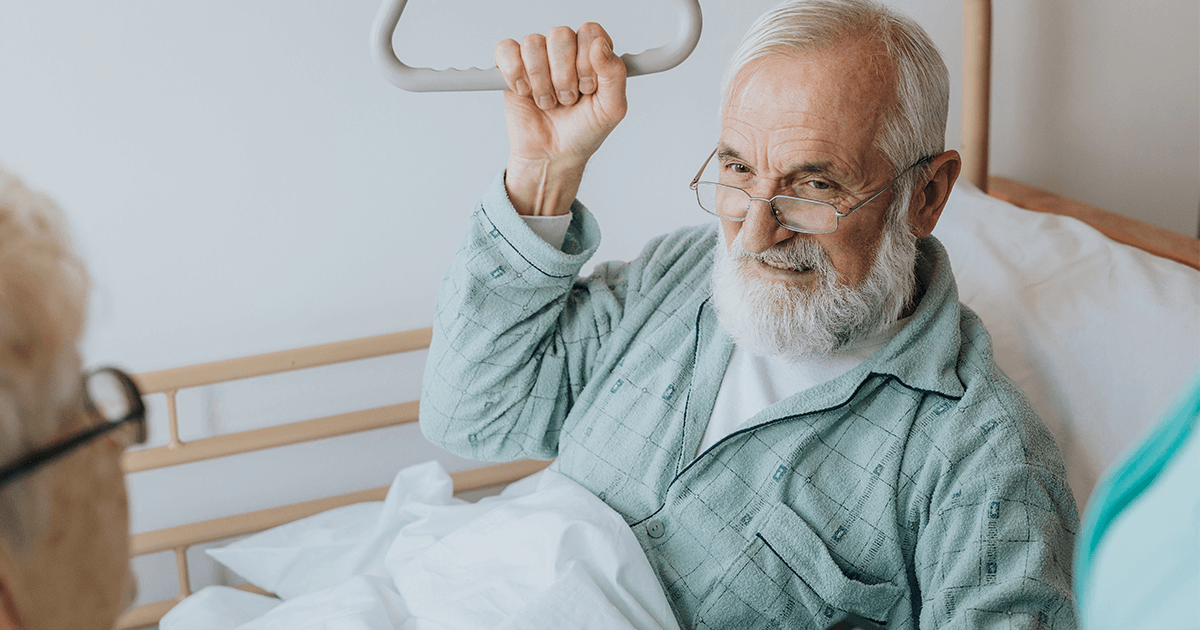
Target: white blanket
(545, 553)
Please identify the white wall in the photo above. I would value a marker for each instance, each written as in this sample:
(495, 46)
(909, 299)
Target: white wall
(240, 179)
(1099, 100)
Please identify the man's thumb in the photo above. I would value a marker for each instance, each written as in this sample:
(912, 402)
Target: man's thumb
(610, 72)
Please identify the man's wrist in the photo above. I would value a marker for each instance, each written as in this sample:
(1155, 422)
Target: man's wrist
(542, 187)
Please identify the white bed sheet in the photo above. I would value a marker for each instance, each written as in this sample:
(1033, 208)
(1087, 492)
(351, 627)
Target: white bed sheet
(1101, 336)
(545, 553)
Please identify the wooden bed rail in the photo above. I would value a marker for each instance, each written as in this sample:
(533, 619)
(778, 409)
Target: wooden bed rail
(976, 116)
(170, 381)
(269, 437)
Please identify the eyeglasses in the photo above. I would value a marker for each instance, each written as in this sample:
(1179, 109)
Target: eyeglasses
(108, 393)
(808, 216)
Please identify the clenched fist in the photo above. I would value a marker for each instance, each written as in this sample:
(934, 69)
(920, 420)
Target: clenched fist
(566, 93)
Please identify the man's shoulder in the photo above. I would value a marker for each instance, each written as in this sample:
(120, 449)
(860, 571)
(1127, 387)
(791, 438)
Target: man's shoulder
(685, 241)
(684, 253)
(993, 418)
(990, 394)
(984, 411)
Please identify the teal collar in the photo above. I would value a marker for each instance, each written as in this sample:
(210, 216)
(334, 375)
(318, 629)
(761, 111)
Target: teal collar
(924, 354)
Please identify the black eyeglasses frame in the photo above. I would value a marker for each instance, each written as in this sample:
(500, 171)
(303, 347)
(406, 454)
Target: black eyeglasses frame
(136, 415)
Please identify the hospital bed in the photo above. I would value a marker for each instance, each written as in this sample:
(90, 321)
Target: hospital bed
(1095, 316)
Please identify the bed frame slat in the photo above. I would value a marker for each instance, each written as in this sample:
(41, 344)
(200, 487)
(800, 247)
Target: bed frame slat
(269, 437)
(146, 614)
(283, 361)
(242, 524)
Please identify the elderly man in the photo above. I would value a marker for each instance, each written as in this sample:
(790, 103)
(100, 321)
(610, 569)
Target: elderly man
(64, 550)
(793, 412)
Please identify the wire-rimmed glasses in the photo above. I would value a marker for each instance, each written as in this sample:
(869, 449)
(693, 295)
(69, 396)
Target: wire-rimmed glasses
(798, 214)
(111, 395)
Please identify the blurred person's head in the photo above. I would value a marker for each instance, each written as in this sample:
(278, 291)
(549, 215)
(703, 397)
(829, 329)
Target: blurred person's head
(64, 551)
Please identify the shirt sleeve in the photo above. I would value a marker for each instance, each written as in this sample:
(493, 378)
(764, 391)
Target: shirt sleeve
(514, 334)
(995, 547)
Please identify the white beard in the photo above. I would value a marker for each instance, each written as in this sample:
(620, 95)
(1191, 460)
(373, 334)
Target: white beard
(799, 323)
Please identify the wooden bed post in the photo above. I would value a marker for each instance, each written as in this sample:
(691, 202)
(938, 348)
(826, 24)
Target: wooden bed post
(977, 80)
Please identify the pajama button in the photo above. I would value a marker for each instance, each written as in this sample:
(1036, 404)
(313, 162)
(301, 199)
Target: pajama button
(655, 528)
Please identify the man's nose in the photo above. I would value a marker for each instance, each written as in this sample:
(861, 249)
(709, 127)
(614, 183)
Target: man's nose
(760, 231)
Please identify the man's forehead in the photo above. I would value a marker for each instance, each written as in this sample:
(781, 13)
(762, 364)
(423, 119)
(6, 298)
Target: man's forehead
(827, 104)
(854, 56)
(856, 74)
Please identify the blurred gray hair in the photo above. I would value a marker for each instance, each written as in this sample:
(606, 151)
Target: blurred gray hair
(915, 126)
(43, 304)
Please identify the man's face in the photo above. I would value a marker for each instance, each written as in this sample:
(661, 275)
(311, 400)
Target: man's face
(801, 123)
(805, 126)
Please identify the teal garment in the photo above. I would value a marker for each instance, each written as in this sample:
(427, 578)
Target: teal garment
(918, 489)
(1138, 560)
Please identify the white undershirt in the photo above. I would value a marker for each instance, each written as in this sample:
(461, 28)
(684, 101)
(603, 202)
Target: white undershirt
(751, 383)
(552, 229)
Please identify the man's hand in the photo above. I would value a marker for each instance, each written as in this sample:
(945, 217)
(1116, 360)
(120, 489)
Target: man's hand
(566, 93)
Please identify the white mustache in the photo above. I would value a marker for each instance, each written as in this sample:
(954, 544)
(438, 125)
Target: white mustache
(798, 255)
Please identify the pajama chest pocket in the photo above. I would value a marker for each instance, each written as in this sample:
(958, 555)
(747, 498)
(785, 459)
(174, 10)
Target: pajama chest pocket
(787, 576)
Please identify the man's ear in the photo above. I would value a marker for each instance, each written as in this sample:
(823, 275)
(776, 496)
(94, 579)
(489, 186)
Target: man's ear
(925, 207)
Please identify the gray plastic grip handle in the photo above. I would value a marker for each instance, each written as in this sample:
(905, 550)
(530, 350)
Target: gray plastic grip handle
(474, 79)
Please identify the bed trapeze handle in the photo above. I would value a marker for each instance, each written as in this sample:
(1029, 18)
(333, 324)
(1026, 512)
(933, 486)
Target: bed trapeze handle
(474, 79)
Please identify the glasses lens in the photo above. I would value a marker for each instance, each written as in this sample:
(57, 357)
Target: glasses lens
(724, 201)
(108, 394)
(807, 216)
(114, 402)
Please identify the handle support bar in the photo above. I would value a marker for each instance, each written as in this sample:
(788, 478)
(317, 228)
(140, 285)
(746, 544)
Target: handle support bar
(412, 79)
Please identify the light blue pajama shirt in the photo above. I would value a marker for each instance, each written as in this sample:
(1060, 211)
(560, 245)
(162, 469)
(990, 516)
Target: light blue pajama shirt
(919, 489)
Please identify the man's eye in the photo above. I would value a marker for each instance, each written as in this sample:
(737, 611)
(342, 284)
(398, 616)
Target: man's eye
(738, 168)
(819, 185)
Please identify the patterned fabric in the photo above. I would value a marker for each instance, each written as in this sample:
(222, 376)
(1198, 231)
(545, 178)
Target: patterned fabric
(918, 490)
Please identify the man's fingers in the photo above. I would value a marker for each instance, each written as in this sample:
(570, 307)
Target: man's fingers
(588, 33)
(537, 69)
(508, 60)
(561, 50)
(556, 68)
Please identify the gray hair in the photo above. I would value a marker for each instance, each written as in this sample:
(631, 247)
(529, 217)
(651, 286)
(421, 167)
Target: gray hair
(43, 303)
(915, 125)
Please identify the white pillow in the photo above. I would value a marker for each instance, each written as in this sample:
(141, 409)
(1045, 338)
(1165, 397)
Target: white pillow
(1100, 336)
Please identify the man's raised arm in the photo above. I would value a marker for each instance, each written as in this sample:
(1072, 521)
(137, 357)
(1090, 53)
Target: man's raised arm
(515, 336)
